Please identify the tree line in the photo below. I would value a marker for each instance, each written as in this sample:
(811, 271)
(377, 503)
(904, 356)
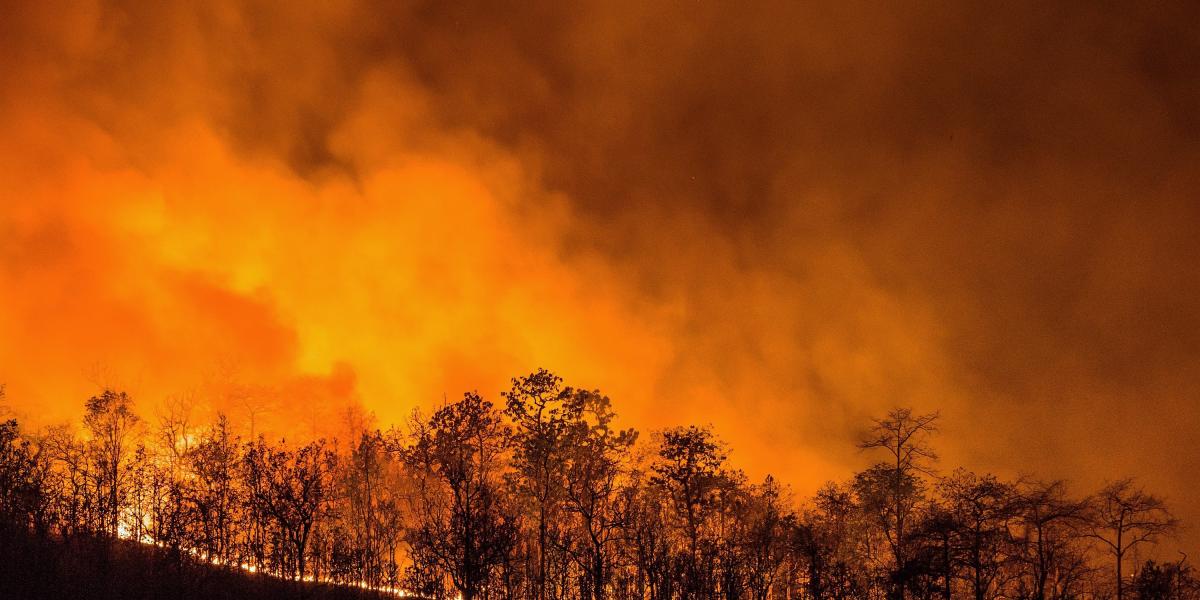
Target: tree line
(546, 497)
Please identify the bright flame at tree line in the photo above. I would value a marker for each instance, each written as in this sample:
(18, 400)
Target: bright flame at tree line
(124, 532)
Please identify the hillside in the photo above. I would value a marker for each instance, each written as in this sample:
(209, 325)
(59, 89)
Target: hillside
(98, 569)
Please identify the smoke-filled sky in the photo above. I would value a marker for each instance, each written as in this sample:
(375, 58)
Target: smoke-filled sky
(778, 218)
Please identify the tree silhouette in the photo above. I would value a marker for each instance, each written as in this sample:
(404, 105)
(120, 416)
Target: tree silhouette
(111, 421)
(461, 524)
(595, 463)
(690, 469)
(893, 488)
(1122, 517)
(549, 498)
(215, 491)
(291, 488)
(983, 510)
(536, 405)
(1049, 532)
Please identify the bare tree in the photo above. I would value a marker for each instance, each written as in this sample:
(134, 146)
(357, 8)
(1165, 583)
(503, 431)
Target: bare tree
(983, 508)
(1122, 517)
(1049, 524)
(894, 486)
(174, 428)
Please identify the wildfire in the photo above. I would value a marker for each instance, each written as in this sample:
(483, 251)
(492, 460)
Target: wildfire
(124, 532)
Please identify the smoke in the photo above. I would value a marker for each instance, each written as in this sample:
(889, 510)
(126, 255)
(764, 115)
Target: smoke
(780, 219)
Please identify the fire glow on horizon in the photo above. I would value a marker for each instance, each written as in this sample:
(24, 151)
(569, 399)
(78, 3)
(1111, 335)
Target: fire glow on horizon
(777, 220)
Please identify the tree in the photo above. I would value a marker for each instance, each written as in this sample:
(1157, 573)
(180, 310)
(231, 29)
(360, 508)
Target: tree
(1048, 530)
(70, 482)
(175, 423)
(645, 509)
(215, 490)
(766, 528)
(982, 510)
(293, 489)
(372, 512)
(112, 423)
(595, 455)
(536, 405)
(827, 541)
(1166, 581)
(24, 498)
(690, 469)
(552, 492)
(1122, 517)
(461, 526)
(938, 537)
(892, 488)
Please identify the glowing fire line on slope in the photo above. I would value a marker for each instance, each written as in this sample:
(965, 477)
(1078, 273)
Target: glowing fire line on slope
(124, 533)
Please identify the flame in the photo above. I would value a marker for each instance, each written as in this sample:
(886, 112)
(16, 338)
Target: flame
(125, 533)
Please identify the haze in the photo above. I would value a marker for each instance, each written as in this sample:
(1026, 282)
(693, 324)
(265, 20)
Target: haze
(778, 219)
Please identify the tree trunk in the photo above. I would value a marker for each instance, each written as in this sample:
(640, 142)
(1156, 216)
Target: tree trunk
(541, 552)
(598, 576)
(949, 569)
(1120, 552)
(1040, 592)
(1120, 582)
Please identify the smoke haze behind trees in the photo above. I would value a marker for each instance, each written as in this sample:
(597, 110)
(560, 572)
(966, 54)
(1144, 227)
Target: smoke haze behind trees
(780, 219)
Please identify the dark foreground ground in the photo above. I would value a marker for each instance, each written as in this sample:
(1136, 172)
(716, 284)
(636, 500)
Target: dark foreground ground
(36, 569)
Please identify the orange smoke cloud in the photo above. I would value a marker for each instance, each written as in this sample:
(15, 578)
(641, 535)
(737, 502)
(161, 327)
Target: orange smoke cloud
(429, 272)
(780, 219)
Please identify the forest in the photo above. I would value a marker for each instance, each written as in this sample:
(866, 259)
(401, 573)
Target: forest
(544, 496)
